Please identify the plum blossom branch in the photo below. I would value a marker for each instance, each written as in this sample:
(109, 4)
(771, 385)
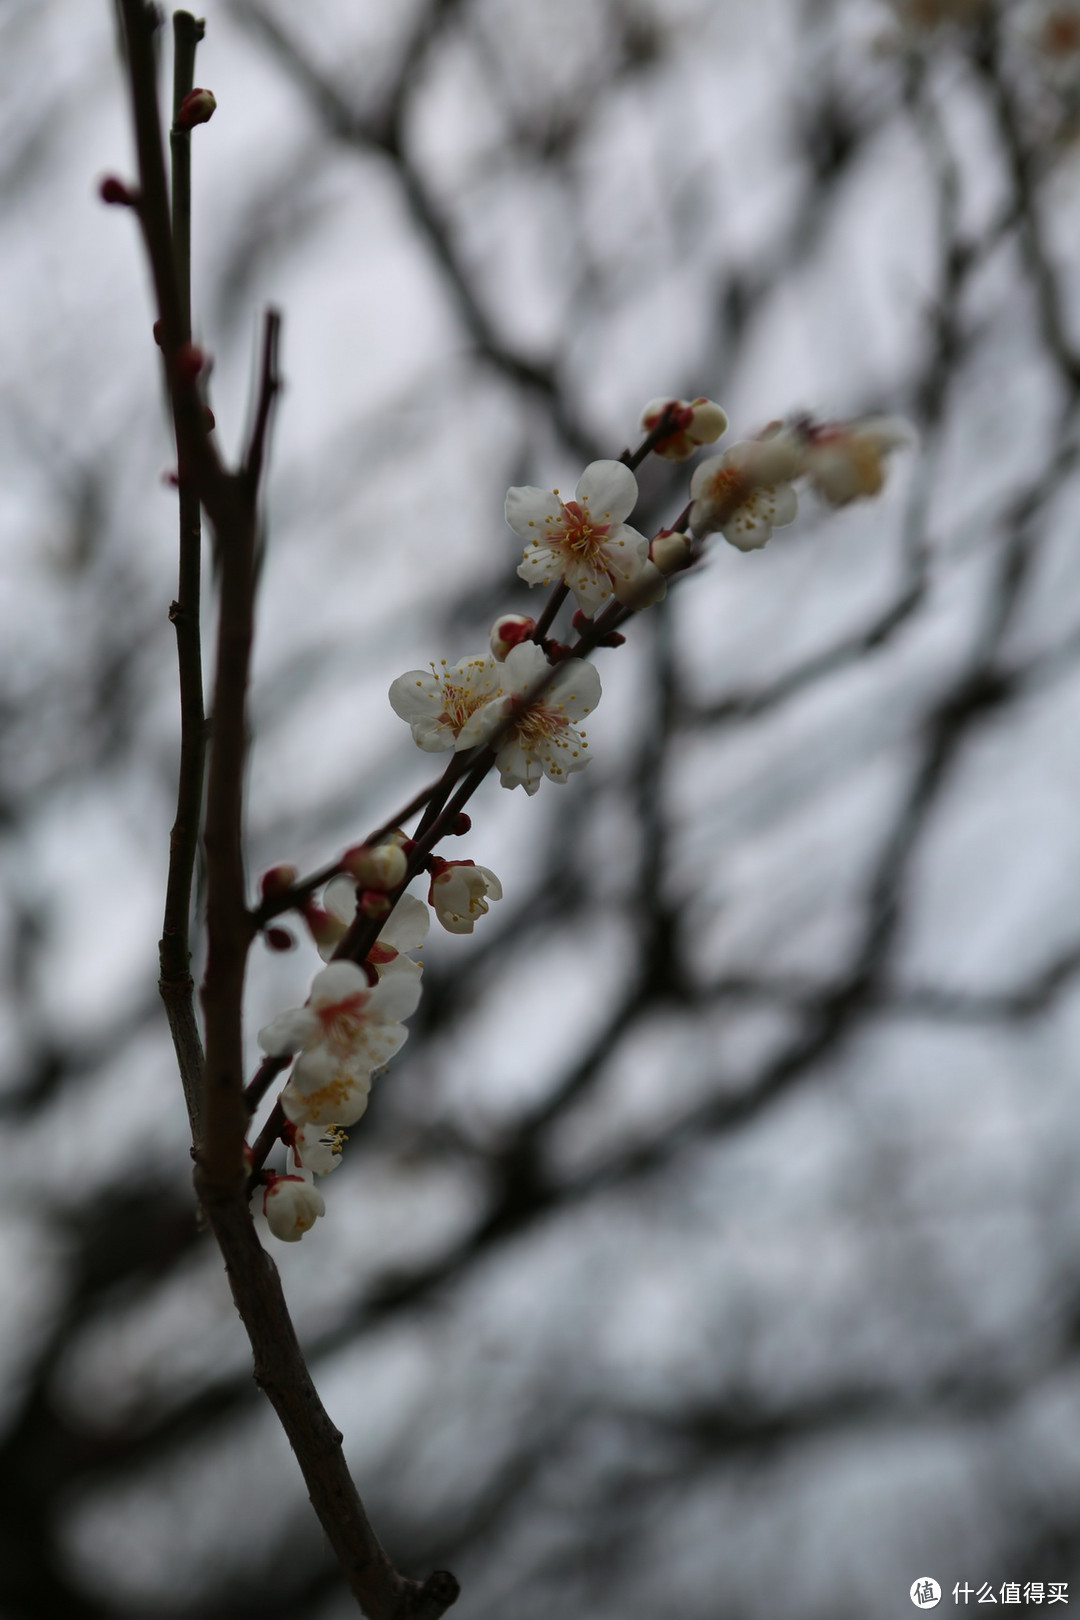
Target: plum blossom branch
(230, 498)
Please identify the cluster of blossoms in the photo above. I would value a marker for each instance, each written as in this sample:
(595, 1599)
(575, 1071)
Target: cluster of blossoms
(517, 706)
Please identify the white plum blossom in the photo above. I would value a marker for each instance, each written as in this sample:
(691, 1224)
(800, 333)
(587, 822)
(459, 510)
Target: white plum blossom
(459, 893)
(744, 493)
(694, 422)
(845, 461)
(358, 1023)
(316, 1149)
(291, 1206)
(405, 929)
(543, 741)
(325, 1090)
(584, 542)
(437, 703)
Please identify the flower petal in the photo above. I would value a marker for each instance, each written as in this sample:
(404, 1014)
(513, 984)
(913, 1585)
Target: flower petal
(407, 925)
(528, 509)
(609, 490)
(289, 1031)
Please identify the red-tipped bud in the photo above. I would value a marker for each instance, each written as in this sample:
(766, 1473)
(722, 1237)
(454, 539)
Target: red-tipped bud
(197, 107)
(581, 621)
(461, 825)
(279, 939)
(112, 190)
(374, 904)
(188, 361)
(278, 880)
(508, 632)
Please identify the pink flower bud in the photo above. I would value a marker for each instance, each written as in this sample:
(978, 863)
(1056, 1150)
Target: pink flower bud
(197, 107)
(508, 631)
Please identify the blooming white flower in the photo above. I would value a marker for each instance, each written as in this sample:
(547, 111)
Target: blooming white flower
(405, 929)
(316, 1149)
(542, 742)
(437, 705)
(583, 542)
(846, 460)
(359, 1024)
(291, 1206)
(744, 492)
(695, 422)
(459, 893)
(324, 1090)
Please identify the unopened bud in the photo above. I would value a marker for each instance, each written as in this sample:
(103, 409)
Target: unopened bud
(670, 551)
(683, 425)
(159, 334)
(197, 107)
(460, 825)
(277, 881)
(279, 939)
(112, 190)
(646, 587)
(508, 632)
(209, 419)
(376, 866)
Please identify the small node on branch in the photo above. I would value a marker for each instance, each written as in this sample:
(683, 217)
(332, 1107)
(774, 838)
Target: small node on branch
(197, 107)
(279, 939)
(187, 362)
(114, 191)
(159, 333)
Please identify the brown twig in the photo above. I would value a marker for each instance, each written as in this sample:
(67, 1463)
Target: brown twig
(176, 984)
